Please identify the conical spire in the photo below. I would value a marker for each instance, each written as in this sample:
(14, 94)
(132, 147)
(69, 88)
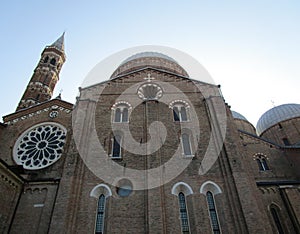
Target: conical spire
(60, 43)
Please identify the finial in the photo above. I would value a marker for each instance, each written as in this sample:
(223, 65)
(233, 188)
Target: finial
(273, 103)
(59, 95)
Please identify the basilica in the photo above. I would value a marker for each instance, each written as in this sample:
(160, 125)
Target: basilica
(148, 150)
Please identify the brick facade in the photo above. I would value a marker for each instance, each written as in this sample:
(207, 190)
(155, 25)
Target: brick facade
(63, 197)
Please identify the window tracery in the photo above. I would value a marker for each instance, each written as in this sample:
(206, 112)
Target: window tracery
(40, 146)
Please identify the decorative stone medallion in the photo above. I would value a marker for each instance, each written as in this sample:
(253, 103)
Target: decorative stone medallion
(40, 146)
(53, 114)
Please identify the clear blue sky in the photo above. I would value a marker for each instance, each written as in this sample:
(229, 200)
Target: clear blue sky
(251, 48)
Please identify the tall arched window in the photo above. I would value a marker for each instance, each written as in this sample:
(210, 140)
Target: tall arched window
(101, 192)
(210, 189)
(276, 219)
(100, 215)
(116, 146)
(182, 190)
(183, 214)
(186, 144)
(212, 213)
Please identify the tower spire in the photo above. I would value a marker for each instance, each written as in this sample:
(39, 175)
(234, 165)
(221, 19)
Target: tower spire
(45, 75)
(60, 43)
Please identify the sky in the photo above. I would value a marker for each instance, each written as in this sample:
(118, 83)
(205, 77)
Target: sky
(250, 48)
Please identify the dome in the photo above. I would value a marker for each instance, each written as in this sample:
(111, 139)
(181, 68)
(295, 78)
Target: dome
(151, 60)
(237, 115)
(276, 115)
(148, 54)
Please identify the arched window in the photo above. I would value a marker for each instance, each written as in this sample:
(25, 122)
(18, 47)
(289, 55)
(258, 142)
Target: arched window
(210, 189)
(261, 162)
(186, 144)
(121, 112)
(276, 218)
(116, 146)
(212, 213)
(53, 61)
(46, 59)
(100, 192)
(100, 215)
(183, 214)
(182, 190)
(180, 110)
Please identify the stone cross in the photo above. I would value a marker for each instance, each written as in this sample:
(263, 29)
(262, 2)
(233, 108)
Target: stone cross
(149, 78)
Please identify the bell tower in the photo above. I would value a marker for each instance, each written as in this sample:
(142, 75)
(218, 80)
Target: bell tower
(45, 75)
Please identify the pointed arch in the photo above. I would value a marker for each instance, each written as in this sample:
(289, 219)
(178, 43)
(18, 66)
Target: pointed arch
(100, 189)
(210, 186)
(181, 187)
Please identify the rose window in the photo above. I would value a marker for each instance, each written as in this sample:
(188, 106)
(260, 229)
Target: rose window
(40, 146)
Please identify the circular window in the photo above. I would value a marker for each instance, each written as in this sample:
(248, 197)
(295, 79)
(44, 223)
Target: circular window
(40, 146)
(124, 188)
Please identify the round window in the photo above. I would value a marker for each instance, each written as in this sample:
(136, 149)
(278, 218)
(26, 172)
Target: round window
(124, 190)
(40, 146)
(124, 187)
